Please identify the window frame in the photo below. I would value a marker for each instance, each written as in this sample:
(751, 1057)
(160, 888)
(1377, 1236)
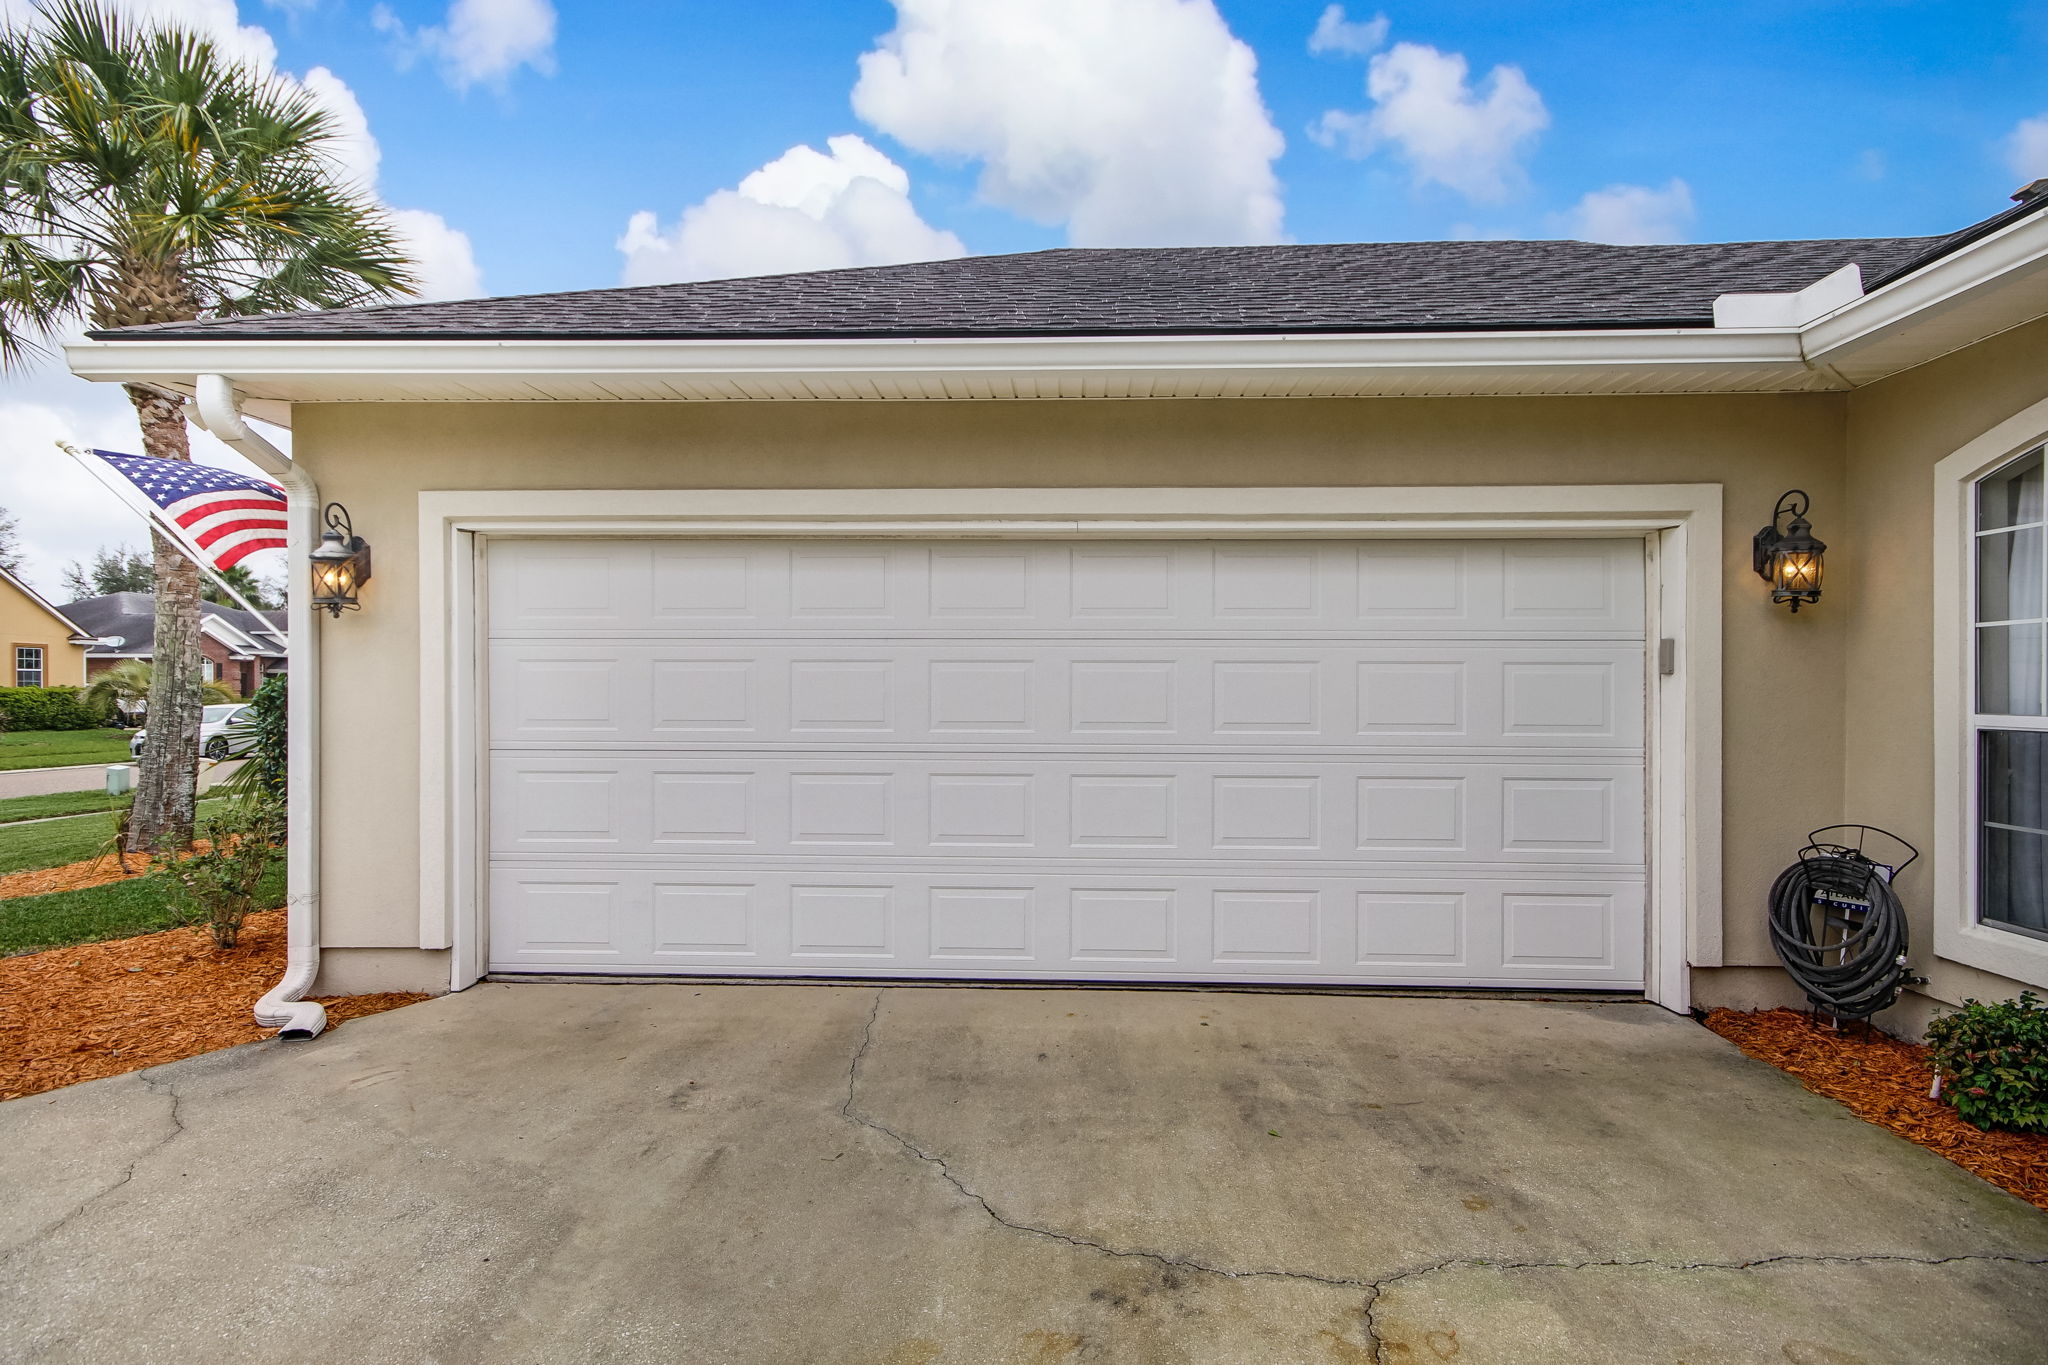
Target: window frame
(1992, 722)
(42, 670)
(1959, 934)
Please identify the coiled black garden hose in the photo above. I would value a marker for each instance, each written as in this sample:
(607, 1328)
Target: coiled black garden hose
(1839, 928)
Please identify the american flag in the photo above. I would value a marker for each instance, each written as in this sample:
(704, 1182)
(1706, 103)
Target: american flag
(227, 516)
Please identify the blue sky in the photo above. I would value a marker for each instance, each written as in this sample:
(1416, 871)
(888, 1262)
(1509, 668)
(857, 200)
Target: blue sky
(1783, 118)
(519, 141)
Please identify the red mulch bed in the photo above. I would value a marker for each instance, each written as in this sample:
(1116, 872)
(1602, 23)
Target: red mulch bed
(1885, 1080)
(76, 1014)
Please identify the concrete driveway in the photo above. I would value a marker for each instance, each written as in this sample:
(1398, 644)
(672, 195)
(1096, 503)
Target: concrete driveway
(686, 1173)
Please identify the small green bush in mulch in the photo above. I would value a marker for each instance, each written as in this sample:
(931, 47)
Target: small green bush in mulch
(1993, 1062)
(220, 885)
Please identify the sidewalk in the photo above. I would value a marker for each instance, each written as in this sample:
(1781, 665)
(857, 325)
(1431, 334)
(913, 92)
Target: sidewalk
(89, 777)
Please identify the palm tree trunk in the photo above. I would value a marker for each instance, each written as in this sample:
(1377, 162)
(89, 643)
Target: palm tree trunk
(164, 798)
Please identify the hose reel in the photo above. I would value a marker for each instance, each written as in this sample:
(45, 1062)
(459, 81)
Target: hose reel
(1837, 924)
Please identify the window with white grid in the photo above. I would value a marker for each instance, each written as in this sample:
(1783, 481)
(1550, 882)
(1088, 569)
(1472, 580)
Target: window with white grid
(2010, 711)
(28, 665)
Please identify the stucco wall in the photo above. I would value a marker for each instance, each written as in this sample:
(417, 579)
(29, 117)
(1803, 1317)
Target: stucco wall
(22, 622)
(376, 458)
(1880, 552)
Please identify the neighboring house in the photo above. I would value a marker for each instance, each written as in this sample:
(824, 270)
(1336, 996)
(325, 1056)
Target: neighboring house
(1255, 614)
(45, 647)
(239, 648)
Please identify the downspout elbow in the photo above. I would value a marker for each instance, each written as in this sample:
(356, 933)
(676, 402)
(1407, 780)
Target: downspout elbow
(284, 1007)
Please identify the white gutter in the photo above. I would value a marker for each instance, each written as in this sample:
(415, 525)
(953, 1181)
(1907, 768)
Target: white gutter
(2016, 252)
(285, 1007)
(1797, 341)
(384, 369)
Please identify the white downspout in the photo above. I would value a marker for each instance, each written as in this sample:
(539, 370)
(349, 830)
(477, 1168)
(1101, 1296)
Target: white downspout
(285, 1007)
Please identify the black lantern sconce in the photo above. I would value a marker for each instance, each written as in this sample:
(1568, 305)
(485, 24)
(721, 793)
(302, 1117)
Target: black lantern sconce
(1790, 559)
(341, 564)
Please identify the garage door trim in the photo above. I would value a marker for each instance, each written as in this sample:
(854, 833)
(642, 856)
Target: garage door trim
(1680, 525)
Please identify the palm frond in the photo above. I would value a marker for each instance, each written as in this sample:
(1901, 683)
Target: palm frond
(146, 177)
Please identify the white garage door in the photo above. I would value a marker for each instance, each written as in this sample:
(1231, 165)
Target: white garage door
(1398, 762)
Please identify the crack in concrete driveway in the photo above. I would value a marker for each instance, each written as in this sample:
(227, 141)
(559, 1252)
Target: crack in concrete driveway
(1373, 1288)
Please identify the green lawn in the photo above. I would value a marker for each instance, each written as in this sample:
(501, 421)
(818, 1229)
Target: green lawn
(60, 803)
(117, 910)
(61, 748)
(52, 845)
(57, 842)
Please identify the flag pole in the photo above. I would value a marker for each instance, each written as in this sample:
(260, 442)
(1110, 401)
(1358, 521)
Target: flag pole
(154, 514)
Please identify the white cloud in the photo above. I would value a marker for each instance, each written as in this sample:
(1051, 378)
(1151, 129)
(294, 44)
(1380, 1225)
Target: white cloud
(441, 255)
(445, 263)
(216, 19)
(1633, 215)
(1129, 121)
(480, 42)
(1335, 33)
(1467, 138)
(352, 148)
(805, 210)
(2026, 148)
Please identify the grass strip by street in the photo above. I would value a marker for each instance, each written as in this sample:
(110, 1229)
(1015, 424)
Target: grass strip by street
(139, 905)
(66, 841)
(57, 843)
(61, 748)
(14, 809)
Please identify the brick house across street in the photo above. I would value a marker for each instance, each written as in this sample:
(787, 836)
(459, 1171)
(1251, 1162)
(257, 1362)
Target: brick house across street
(241, 648)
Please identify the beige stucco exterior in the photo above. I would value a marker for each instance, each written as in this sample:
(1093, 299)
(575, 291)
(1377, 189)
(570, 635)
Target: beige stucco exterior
(1897, 431)
(25, 621)
(1825, 715)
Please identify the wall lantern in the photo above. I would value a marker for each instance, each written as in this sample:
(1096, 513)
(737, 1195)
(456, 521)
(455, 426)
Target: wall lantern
(1790, 560)
(341, 565)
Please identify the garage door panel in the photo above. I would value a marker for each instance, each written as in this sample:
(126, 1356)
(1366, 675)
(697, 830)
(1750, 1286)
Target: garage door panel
(1101, 926)
(1402, 762)
(1170, 695)
(562, 589)
(1070, 810)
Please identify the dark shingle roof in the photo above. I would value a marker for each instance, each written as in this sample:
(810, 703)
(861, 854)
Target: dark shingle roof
(1367, 287)
(132, 617)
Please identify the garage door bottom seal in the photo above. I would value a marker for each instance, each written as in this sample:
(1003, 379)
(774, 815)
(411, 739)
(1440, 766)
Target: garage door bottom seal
(1615, 997)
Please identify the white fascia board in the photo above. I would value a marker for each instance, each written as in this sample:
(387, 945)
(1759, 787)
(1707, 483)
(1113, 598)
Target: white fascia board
(227, 633)
(270, 367)
(1947, 283)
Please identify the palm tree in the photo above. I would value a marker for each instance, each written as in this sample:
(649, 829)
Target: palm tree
(145, 178)
(123, 689)
(252, 588)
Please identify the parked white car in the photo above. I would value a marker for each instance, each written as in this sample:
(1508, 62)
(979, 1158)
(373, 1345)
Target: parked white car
(215, 723)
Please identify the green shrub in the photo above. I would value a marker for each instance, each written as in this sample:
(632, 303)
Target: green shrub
(219, 887)
(48, 708)
(261, 738)
(1993, 1062)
